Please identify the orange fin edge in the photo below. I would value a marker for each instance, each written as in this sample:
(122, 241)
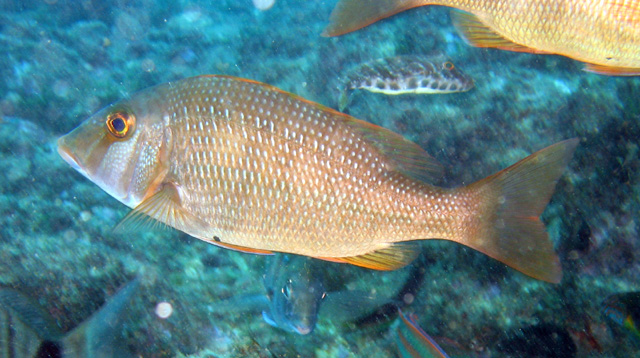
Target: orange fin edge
(392, 257)
(511, 231)
(240, 248)
(611, 71)
(478, 34)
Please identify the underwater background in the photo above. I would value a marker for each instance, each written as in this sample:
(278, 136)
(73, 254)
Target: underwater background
(64, 60)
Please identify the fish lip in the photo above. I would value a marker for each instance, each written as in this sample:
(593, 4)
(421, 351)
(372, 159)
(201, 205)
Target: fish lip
(303, 330)
(69, 157)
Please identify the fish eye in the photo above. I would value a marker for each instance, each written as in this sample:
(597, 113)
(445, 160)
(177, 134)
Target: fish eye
(286, 290)
(120, 123)
(448, 65)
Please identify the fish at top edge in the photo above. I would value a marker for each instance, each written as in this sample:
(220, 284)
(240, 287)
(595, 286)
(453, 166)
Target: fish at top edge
(603, 34)
(413, 74)
(247, 166)
(412, 341)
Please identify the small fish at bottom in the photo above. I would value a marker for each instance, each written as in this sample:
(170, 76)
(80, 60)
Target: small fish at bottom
(296, 293)
(624, 310)
(412, 341)
(410, 74)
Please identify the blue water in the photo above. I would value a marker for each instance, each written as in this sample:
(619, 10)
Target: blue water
(64, 60)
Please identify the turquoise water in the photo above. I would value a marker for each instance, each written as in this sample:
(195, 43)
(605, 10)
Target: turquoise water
(64, 60)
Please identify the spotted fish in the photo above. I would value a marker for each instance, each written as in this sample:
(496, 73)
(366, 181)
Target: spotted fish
(405, 74)
(246, 166)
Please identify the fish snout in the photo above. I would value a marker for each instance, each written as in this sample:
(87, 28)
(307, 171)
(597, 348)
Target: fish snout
(65, 152)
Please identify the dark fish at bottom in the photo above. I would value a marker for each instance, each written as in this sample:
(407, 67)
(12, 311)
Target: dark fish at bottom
(27, 331)
(246, 166)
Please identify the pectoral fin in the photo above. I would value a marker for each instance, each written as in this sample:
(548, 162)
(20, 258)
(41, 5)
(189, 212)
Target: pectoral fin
(162, 208)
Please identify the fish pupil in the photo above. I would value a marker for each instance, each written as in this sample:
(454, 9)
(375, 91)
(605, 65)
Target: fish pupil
(118, 124)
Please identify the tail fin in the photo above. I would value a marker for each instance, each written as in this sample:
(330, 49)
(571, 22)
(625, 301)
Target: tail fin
(510, 229)
(350, 15)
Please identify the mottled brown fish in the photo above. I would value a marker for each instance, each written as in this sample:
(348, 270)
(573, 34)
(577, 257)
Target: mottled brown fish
(246, 166)
(415, 74)
(604, 34)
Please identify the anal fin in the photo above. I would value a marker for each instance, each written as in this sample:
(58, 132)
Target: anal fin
(392, 257)
(611, 71)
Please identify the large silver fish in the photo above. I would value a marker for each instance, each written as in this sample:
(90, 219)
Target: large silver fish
(246, 166)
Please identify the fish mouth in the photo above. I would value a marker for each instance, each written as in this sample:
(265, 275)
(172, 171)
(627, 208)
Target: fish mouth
(65, 152)
(303, 330)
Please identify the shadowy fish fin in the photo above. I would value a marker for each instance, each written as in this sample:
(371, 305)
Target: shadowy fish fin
(351, 15)
(241, 248)
(160, 209)
(346, 306)
(408, 157)
(100, 335)
(241, 304)
(392, 257)
(343, 100)
(267, 318)
(29, 313)
(413, 342)
(477, 34)
(510, 230)
(611, 71)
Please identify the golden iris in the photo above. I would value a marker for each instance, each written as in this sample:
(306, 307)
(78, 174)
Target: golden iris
(448, 66)
(120, 123)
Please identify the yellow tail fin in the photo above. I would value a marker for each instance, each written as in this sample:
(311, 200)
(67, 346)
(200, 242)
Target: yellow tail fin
(510, 229)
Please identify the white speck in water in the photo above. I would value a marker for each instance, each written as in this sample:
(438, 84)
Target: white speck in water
(408, 298)
(164, 310)
(263, 4)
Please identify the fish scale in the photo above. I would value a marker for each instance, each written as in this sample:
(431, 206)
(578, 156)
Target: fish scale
(275, 152)
(246, 166)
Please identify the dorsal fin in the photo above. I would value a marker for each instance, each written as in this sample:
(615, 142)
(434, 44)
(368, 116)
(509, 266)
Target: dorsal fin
(478, 34)
(408, 157)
